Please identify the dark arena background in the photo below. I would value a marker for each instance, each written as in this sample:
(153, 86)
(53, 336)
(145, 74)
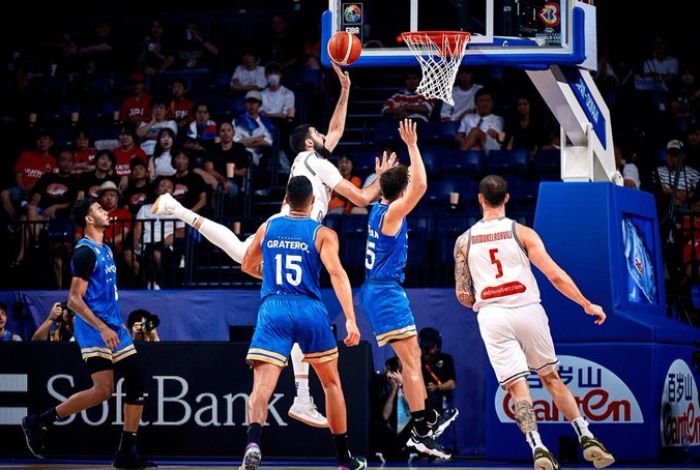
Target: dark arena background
(594, 116)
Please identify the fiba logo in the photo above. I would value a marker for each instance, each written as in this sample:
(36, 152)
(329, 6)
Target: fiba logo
(550, 14)
(352, 13)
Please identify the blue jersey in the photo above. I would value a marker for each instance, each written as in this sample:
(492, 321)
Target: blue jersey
(386, 255)
(101, 295)
(291, 263)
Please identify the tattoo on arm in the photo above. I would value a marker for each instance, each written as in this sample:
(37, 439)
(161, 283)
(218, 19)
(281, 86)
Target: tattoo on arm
(525, 417)
(463, 278)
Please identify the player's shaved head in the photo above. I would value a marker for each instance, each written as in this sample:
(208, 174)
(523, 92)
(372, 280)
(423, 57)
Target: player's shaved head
(393, 182)
(299, 193)
(494, 190)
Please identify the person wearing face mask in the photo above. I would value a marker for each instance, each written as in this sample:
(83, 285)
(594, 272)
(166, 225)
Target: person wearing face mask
(278, 101)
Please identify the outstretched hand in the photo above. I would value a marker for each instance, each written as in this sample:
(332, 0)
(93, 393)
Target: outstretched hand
(407, 131)
(386, 163)
(596, 311)
(343, 76)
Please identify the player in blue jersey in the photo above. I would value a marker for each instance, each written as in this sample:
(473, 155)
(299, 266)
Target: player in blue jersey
(287, 253)
(104, 341)
(384, 300)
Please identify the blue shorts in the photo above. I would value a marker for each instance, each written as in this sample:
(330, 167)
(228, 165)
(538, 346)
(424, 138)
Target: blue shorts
(387, 308)
(287, 319)
(92, 344)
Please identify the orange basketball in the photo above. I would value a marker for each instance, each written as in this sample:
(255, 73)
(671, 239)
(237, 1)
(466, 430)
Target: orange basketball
(344, 48)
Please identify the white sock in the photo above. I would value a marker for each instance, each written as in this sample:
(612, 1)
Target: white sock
(186, 215)
(222, 237)
(580, 425)
(534, 440)
(301, 373)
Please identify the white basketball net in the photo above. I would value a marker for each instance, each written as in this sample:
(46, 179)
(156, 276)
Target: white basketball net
(439, 62)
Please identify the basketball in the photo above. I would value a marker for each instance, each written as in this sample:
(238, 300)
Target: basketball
(344, 48)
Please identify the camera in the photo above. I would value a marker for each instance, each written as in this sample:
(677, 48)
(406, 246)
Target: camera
(65, 311)
(151, 322)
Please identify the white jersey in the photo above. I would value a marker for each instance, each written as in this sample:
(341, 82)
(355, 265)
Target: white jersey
(499, 266)
(324, 176)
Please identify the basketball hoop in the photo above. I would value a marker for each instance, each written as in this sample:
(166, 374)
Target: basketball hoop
(439, 53)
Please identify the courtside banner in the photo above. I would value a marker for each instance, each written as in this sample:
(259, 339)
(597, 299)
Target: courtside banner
(196, 403)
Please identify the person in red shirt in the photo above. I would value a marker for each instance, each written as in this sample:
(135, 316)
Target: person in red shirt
(84, 153)
(339, 204)
(30, 166)
(180, 107)
(125, 152)
(137, 107)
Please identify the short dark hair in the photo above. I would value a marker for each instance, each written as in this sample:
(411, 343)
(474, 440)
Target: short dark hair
(299, 191)
(80, 210)
(429, 337)
(298, 137)
(159, 102)
(494, 189)
(181, 81)
(3, 307)
(272, 67)
(175, 152)
(201, 103)
(137, 315)
(137, 161)
(482, 92)
(110, 155)
(393, 182)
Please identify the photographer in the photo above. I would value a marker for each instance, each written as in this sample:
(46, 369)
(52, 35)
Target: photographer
(438, 369)
(391, 416)
(58, 325)
(142, 325)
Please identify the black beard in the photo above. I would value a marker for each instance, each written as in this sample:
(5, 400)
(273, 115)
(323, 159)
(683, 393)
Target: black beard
(323, 151)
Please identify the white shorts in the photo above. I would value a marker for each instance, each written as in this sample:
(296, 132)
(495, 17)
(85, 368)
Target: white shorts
(517, 341)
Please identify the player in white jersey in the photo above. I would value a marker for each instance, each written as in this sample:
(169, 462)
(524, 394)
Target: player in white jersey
(493, 276)
(314, 148)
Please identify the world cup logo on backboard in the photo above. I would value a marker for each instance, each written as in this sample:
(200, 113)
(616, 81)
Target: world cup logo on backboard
(550, 14)
(352, 13)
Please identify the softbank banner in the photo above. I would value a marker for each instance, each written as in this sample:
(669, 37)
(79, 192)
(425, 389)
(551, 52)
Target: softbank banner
(680, 407)
(602, 396)
(196, 403)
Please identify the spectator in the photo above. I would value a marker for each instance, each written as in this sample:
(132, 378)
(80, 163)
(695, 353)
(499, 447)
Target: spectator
(524, 131)
(339, 204)
(692, 150)
(483, 130)
(202, 132)
(52, 197)
(252, 130)
(224, 153)
(156, 56)
(180, 107)
(195, 52)
(120, 218)
(408, 103)
(30, 166)
(628, 170)
(89, 183)
(392, 415)
(661, 68)
(138, 191)
(690, 252)
(463, 95)
(672, 175)
(148, 131)
(190, 189)
(142, 325)
(277, 100)
(153, 238)
(58, 325)
(84, 153)
(160, 164)
(5, 334)
(438, 369)
(137, 107)
(279, 45)
(250, 75)
(126, 152)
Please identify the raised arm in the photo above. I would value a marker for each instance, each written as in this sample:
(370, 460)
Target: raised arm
(417, 183)
(252, 260)
(364, 196)
(327, 244)
(337, 125)
(556, 275)
(464, 289)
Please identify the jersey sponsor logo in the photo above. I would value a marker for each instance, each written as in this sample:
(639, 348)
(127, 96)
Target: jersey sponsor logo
(680, 407)
(137, 199)
(602, 396)
(491, 237)
(180, 190)
(288, 245)
(56, 189)
(504, 290)
(123, 169)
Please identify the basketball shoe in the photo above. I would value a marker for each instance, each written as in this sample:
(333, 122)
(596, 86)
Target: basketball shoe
(35, 434)
(427, 445)
(544, 460)
(131, 460)
(251, 458)
(357, 463)
(594, 451)
(304, 410)
(444, 420)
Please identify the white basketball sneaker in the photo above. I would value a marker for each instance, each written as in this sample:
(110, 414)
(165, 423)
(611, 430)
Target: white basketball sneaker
(304, 410)
(165, 205)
